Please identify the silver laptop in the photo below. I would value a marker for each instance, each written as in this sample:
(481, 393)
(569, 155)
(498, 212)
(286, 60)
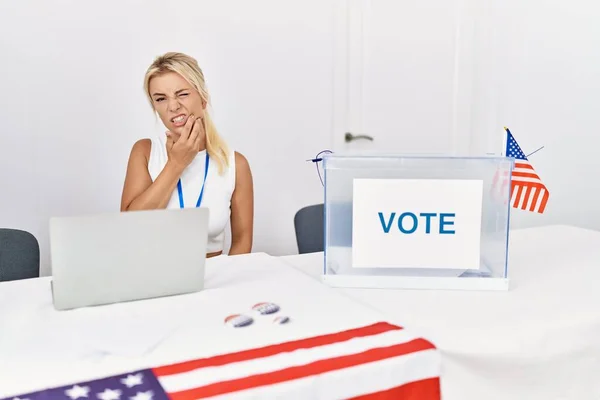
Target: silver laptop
(124, 256)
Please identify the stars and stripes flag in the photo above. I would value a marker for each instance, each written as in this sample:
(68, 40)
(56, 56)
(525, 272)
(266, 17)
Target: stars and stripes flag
(379, 361)
(528, 192)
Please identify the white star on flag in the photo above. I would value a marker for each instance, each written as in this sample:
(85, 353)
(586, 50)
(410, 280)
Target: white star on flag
(77, 391)
(132, 380)
(110, 394)
(143, 395)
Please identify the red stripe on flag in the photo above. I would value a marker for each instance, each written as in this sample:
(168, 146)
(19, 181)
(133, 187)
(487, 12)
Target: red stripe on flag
(303, 371)
(523, 165)
(532, 175)
(535, 199)
(526, 199)
(544, 201)
(518, 194)
(426, 389)
(525, 191)
(271, 350)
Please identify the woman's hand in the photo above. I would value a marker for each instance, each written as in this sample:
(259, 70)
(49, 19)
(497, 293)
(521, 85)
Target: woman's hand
(182, 150)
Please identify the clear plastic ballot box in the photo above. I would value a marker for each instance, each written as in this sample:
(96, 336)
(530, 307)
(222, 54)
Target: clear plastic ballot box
(419, 222)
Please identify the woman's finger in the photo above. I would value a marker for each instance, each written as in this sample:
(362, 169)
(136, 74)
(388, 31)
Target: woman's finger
(195, 131)
(169, 140)
(187, 128)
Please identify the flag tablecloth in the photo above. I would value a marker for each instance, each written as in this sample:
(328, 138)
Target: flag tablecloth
(378, 361)
(332, 347)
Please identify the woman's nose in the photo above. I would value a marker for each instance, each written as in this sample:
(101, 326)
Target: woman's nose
(174, 105)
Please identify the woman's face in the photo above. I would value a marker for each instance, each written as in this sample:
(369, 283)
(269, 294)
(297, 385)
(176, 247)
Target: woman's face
(175, 100)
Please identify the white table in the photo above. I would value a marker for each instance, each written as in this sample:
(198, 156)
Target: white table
(41, 348)
(539, 340)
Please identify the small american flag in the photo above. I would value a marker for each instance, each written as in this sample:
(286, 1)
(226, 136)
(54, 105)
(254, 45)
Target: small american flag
(379, 361)
(528, 192)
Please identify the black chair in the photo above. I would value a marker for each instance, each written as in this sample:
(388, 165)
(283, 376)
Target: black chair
(19, 255)
(309, 225)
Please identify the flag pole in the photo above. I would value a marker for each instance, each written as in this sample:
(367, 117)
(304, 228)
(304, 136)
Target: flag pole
(504, 139)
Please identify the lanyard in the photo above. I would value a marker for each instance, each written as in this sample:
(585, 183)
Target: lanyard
(180, 190)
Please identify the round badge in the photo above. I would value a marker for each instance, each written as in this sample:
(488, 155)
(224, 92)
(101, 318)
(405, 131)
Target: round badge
(238, 320)
(281, 320)
(266, 308)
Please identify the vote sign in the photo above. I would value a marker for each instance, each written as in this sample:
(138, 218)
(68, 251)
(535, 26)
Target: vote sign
(416, 223)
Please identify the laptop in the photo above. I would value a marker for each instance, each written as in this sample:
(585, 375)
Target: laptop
(125, 256)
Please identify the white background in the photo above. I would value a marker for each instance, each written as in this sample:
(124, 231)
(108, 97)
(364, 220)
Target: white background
(72, 102)
(374, 248)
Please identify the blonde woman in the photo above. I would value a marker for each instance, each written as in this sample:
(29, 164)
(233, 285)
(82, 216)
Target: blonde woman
(191, 166)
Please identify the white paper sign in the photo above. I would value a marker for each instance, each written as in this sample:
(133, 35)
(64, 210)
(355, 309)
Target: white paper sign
(416, 223)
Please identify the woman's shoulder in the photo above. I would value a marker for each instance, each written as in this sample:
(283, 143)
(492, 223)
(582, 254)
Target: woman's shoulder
(149, 148)
(242, 167)
(141, 147)
(143, 144)
(236, 161)
(241, 162)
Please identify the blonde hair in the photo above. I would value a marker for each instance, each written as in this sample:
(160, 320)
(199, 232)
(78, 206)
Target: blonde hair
(189, 69)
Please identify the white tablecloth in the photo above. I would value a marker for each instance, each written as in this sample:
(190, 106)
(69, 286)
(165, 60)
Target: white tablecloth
(539, 340)
(41, 348)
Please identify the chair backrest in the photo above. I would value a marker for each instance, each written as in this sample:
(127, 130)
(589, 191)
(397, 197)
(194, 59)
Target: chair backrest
(19, 255)
(309, 226)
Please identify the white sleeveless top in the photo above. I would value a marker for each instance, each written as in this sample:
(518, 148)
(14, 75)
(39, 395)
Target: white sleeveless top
(217, 194)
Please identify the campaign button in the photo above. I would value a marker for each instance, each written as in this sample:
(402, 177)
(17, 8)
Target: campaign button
(281, 320)
(266, 308)
(238, 320)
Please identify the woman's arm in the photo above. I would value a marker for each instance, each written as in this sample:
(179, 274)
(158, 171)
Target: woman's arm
(242, 208)
(139, 192)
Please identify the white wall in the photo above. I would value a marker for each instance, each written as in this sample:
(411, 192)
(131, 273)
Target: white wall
(538, 72)
(72, 102)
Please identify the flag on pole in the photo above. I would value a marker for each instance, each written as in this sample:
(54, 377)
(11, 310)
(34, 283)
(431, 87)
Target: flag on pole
(528, 192)
(379, 361)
